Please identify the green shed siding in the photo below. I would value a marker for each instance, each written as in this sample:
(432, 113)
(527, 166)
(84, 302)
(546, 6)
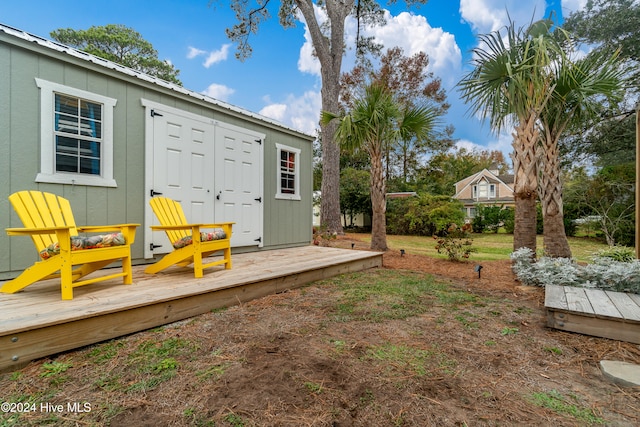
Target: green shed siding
(286, 223)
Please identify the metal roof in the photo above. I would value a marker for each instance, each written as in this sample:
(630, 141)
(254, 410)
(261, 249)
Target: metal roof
(59, 47)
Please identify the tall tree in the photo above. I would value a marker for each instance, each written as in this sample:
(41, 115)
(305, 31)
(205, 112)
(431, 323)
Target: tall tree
(375, 119)
(444, 169)
(412, 84)
(329, 47)
(122, 45)
(608, 26)
(510, 86)
(581, 89)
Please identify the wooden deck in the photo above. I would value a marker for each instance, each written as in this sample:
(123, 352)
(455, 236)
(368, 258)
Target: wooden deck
(37, 322)
(606, 314)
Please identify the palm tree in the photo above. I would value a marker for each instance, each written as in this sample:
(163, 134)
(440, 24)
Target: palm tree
(375, 121)
(510, 85)
(580, 90)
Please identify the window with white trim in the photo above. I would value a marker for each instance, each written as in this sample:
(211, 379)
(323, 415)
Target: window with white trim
(76, 137)
(288, 167)
(484, 190)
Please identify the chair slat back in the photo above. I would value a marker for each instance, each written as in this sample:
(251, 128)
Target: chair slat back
(169, 212)
(37, 209)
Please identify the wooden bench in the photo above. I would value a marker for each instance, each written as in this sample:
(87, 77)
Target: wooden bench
(606, 314)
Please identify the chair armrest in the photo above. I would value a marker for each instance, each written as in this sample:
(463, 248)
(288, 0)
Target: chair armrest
(33, 231)
(101, 228)
(189, 226)
(216, 225)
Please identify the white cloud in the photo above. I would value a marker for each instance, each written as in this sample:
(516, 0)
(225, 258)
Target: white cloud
(275, 111)
(502, 143)
(570, 6)
(486, 16)
(410, 32)
(301, 113)
(213, 57)
(307, 62)
(193, 52)
(217, 55)
(220, 92)
(414, 34)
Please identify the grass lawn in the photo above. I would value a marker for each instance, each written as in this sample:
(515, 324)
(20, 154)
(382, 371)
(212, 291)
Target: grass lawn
(490, 246)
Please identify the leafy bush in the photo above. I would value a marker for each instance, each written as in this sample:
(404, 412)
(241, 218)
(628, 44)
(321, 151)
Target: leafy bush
(509, 222)
(456, 242)
(423, 215)
(491, 218)
(618, 253)
(603, 273)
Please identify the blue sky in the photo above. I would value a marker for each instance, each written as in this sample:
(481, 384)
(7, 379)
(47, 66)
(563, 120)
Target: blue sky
(281, 79)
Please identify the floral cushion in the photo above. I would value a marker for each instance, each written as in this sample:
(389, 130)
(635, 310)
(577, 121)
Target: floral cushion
(217, 234)
(81, 242)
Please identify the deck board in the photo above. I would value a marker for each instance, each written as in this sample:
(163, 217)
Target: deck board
(596, 312)
(625, 304)
(602, 304)
(577, 300)
(37, 322)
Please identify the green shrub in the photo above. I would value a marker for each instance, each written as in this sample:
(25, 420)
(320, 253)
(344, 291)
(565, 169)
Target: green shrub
(618, 253)
(603, 273)
(423, 215)
(455, 242)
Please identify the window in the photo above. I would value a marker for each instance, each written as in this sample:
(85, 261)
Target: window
(76, 136)
(484, 190)
(288, 172)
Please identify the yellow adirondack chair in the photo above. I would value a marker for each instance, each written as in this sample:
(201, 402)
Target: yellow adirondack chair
(191, 244)
(48, 219)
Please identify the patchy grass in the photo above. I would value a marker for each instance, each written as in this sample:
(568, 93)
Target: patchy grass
(389, 295)
(384, 347)
(569, 406)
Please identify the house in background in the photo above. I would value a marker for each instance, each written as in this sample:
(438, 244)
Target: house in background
(486, 188)
(109, 138)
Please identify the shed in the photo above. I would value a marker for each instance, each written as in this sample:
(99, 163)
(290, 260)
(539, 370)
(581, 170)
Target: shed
(109, 138)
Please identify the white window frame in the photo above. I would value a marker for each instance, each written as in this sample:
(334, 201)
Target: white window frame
(279, 194)
(47, 138)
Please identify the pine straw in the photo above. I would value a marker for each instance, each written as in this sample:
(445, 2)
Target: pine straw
(291, 360)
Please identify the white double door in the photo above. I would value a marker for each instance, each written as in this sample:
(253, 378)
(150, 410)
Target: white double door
(214, 169)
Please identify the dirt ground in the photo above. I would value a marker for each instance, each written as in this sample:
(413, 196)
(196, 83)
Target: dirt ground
(290, 359)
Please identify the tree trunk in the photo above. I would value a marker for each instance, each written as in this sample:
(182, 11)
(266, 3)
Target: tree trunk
(555, 238)
(329, 51)
(378, 202)
(330, 188)
(524, 232)
(525, 183)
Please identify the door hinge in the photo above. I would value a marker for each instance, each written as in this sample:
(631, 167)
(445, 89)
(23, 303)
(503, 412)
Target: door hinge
(258, 199)
(154, 193)
(259, 141)
(152, 246)
(259, 239)
(154, 113)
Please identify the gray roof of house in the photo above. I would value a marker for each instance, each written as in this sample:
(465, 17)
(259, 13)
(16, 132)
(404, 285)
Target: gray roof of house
(59, 47)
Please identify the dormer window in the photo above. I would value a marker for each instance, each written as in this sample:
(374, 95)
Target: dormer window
(484, 190)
